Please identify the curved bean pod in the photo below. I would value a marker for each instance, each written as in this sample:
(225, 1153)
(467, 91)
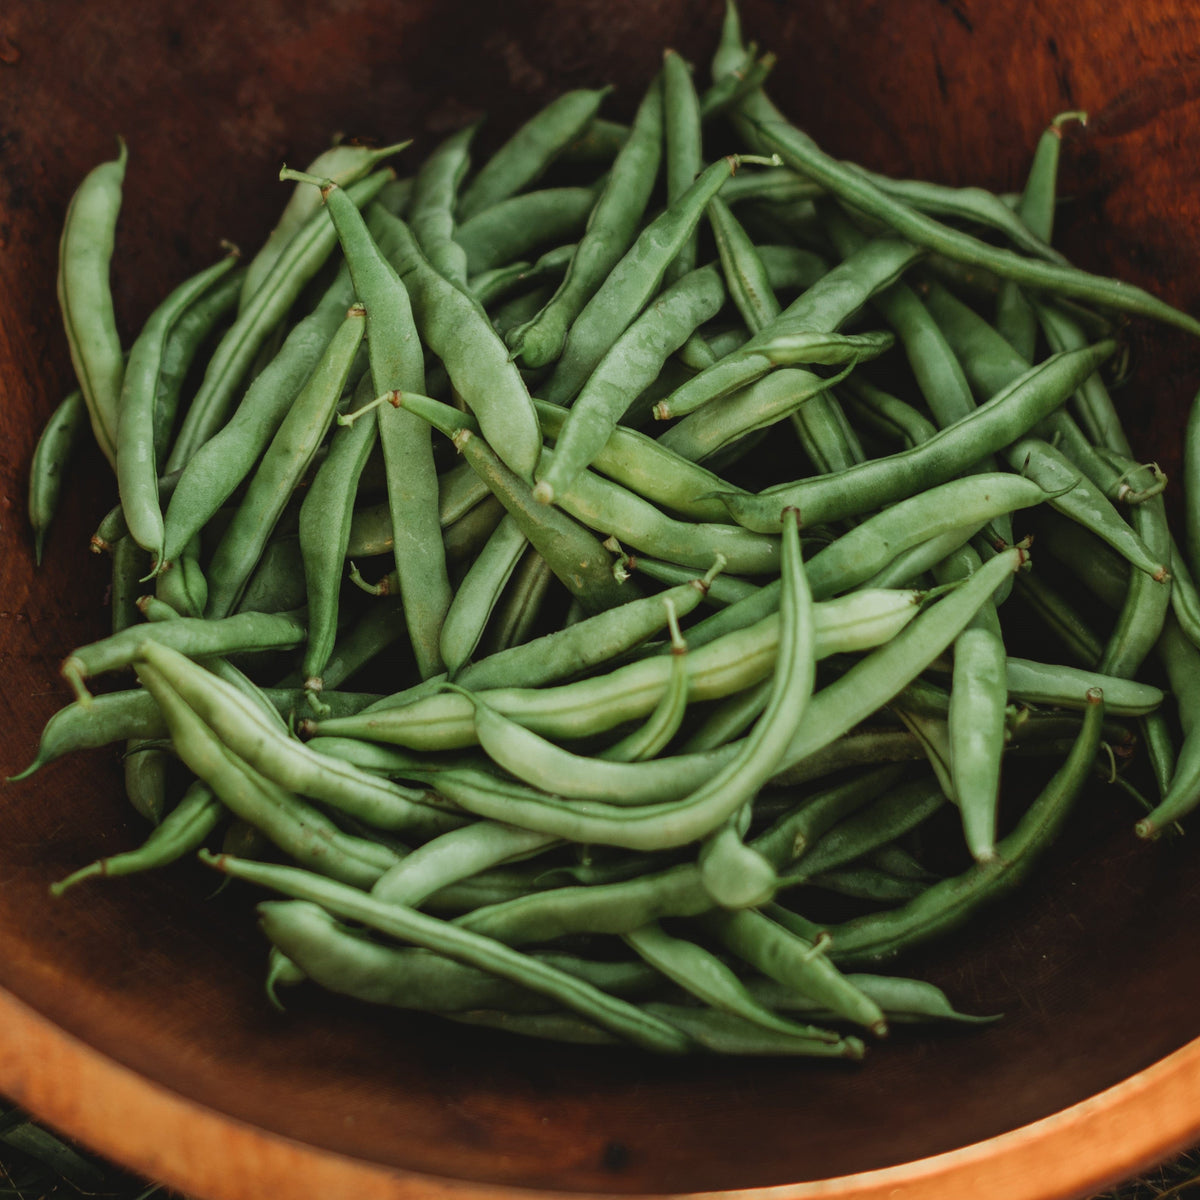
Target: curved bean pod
(84, 254)
(407, 925)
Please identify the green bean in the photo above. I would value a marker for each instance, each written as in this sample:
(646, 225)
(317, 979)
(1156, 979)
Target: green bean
(184, 341)
(868, 548)
(733, 874)
(520, 609)
(302, 258)
(1185, 601)
(894, 814)
(834, 298)
(128, 715)
(453, 856)
(1191, 472)
(1078, 498)
(431, 207)
(241, 726)
(721, 422)
(908, 568)
(241, 633)
(344, 960)
(343, 164)
(297, 828)
(491, 287)
(1147, 601)
(1093, 404)
(722, 590)
(396, 362)
(53, 453)
(458, 943)
(684, 148)
(976, 718)
(729, 719)
(792, 835)
(589, 643)
(615, 511)
(287, 458)
(137, 471)
(796, 963)
(737, 777)
(557, 772)
(325, 518)
(777, 183)
(902, 1000)
(734, 87)
(646, 466)
(610, 231)
(632, 363)
(886, 414)
(212, 474)
(84, 254)
(510, 229)
(885, 480)
(947, 904)
(184, 587)
(718, 668)
(479, 592)
(706, 977)
(838, 707)
(868, 883)
(277, 584)
(1067, 687)
(184, 830)
(457, 330)
(1179, 657)
(745, 275)
(527, 154)
(598, 144)
(852, 185)
(631, 284)
(572, 552)
(653, 736)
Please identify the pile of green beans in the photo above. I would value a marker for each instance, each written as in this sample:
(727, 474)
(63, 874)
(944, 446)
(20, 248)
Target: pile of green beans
(593, 587)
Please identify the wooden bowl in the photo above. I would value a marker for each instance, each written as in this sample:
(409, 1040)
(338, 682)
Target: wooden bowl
(131, 1013)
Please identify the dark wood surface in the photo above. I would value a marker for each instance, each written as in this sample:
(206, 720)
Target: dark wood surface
(1095, 966)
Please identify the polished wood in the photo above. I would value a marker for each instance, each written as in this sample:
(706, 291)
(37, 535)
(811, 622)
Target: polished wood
(131, 1011)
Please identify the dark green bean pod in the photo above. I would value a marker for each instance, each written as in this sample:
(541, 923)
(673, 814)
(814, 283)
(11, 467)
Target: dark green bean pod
(455, 327)
(404, 924)
(212, 474)
(431, 206)
(84, 254)
(238, 634)
(610, 231)
(946, 905)
(303, 257)
(511, 229)
(883, 481)
(182, 831)
(526, 155)
(284, 463)
(57, 443)
(852, 185)
(325, 518)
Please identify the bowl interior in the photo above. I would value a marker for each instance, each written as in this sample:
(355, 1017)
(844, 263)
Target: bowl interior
(1087, 964)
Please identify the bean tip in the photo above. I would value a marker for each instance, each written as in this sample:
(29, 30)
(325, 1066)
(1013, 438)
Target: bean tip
(543, 492)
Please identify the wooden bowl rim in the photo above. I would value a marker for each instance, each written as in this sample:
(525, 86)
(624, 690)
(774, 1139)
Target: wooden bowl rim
(169, 1138)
